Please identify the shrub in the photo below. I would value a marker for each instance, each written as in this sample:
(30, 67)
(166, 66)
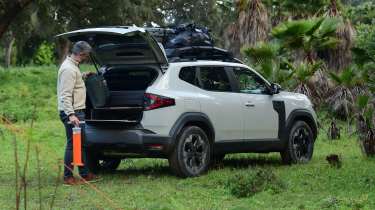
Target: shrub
(246, 184)
(44, 54)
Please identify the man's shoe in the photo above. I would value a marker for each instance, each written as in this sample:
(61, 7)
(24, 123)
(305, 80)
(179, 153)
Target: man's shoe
(91, 178)
(70, 181)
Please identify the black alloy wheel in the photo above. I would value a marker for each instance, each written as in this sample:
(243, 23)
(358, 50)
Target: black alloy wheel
(192, 153)
(300, 146)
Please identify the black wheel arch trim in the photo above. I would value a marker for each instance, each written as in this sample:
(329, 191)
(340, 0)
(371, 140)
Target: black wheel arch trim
(301, 113)
(191, 117)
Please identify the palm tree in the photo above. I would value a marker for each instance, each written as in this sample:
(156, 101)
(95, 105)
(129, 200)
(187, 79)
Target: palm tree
(339, 57)
(307, 35)
(302, 74)
(305, 38)
(342, 100)
(251, 25)
(365, 125)
(302, 8)
(270, 61)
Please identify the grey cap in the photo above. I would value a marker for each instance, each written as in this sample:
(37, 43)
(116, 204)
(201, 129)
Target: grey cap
(81, 47)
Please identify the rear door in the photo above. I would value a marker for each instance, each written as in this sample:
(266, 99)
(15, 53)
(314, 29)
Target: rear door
(260, 120)
(120, 45)
(220, 103)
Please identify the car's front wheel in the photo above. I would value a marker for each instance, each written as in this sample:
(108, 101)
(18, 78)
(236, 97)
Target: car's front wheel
(192, 153)
(300, 145)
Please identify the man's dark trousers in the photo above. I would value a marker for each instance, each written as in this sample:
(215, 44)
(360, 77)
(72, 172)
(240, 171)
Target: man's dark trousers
(68, 159)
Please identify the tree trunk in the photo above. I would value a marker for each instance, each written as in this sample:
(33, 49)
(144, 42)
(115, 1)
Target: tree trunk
(12, 8)
(8, 50)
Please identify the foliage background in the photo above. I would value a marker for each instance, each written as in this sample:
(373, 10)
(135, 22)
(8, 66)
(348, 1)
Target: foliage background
(29, 86)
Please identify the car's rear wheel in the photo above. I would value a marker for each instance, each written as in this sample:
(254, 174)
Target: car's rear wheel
(192, 153)
(300, 144)
(103, 164)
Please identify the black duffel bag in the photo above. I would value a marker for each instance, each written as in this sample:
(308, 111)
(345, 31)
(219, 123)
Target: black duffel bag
(97, 90)
(189, 35)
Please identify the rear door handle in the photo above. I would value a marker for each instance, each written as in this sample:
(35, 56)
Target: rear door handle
(249, 104)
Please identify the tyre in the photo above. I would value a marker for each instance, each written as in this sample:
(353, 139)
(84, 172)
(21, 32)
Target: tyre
(191, 155)
(300, 144)
(103, 164)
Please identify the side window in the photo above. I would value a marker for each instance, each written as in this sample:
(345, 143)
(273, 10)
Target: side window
(214, 79)
(189, 75)
(249, 82)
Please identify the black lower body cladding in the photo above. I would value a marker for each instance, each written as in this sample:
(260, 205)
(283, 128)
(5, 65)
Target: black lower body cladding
(126, 139)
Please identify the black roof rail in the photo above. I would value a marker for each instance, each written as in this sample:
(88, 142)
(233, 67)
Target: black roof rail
(194, 53)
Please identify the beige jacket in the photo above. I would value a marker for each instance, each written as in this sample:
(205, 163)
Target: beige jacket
(71, 90)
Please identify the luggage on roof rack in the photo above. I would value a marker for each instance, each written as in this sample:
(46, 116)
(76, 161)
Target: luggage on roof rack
(189, 42)
(184, 35)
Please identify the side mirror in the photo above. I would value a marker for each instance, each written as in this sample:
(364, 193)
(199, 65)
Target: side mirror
(275, 88)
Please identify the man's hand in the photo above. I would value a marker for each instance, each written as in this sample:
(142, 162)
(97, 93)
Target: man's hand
(85, 75)
(74, 120)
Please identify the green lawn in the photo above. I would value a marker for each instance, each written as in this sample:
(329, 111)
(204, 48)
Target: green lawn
(148, 183)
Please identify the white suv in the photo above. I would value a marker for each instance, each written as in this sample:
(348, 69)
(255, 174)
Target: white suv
(189, 111)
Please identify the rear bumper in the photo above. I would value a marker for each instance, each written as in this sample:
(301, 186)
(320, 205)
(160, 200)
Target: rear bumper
(125, 140)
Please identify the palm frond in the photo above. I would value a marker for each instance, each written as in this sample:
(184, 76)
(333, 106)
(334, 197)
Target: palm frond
(304, 71)
(335, 78)
(309, 35)
(348, 77)
(262, 51)
(327, 43)
(296, 28)
(362, 101)
(315, 27)
(329, 26)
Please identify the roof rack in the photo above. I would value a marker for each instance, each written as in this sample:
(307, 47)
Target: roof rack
(160, 34)
(195, 53)
(188, 53)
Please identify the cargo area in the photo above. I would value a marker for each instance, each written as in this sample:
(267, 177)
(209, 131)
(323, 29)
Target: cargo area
(116, 93)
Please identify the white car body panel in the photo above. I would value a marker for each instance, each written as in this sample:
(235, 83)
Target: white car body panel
(153, 54)
(222, 108)
(231, 119)
(260, 120)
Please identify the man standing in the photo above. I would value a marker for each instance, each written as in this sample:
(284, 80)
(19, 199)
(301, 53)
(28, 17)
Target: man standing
(71, 93)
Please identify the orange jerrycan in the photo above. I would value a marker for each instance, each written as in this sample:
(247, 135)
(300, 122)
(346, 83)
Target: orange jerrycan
(77, 147)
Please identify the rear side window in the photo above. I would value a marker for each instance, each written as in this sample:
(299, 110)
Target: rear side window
(214, 79)
(189, 75)
(207, 77)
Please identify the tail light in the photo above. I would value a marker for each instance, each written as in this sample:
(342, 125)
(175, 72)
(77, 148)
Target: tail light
(152, 101)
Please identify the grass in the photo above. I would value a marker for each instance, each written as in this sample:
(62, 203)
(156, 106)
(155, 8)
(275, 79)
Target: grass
(148, 183)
